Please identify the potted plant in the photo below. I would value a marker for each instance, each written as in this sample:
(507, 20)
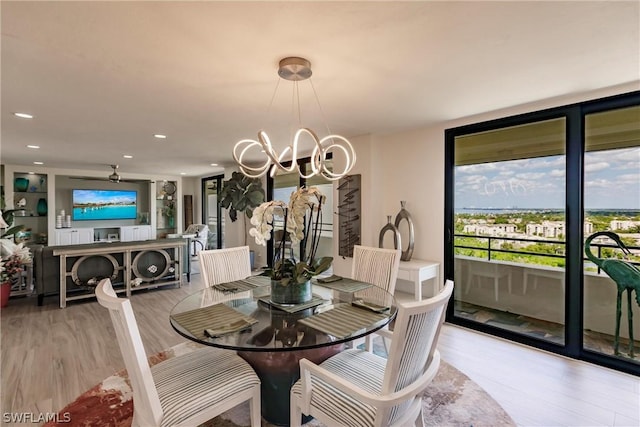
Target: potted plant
(242, 194)
(7, 230)
(12, 260)
(302, 220)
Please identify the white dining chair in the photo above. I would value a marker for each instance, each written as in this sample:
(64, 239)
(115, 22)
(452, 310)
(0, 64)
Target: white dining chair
(378, 266)
(358, 388)
(224, 265)
(185, 390)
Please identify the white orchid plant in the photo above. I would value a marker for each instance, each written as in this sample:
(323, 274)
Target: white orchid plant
(302, 222)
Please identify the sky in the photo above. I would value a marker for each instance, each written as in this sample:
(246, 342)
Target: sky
(612, 180)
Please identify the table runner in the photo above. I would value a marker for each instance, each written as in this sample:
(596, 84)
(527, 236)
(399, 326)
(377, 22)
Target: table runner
(219, 318)
(342, 321)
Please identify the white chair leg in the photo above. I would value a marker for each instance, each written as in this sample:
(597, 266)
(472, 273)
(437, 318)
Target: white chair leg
(420, 419)
(255, 410)
(295, 414)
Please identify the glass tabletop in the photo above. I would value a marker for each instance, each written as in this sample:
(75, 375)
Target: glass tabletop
(240, 315)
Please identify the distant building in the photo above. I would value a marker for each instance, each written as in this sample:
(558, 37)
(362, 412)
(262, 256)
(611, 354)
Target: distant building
(490, 230)
(617, 224)
(588, 228)
(552, 229)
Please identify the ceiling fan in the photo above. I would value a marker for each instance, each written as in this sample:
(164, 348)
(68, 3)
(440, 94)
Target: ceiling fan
(114, 177)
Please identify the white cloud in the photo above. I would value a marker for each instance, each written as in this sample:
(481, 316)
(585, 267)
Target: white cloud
(557, 172)
(594, 167)
(598, 183)
(630, 178)
(531, 176)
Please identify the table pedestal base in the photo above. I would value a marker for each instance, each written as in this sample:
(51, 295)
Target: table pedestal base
(278, 371)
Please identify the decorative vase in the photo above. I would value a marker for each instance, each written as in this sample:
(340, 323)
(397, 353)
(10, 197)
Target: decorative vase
(172, 222)
(41, 207)
(404, 215)
(292, 293)
(393, 229)
(5, 291)
(21, 184)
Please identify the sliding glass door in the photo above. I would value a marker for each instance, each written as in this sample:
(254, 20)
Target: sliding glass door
(509, 228)
(524, 197)
(211, 211)
(611, 208)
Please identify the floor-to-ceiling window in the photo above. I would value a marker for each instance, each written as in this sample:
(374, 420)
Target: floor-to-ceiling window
(522, 195)
(612, 206)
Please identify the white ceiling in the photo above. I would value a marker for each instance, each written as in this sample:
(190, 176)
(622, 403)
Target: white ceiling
(102, 77)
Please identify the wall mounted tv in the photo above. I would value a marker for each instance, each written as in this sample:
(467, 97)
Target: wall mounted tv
(99, 205)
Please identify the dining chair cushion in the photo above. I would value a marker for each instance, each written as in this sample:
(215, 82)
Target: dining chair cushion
(342, 406)
(189, 384)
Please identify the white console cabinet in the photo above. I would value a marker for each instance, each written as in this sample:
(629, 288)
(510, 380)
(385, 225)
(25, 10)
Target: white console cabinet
(73, 236)
(134, 233)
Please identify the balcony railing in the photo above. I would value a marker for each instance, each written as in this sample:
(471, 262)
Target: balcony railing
(494, 245)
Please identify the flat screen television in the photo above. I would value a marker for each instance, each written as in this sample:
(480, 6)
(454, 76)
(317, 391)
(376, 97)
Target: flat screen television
(99, 205)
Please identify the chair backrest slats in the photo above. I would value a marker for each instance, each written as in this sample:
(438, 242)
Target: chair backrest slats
(377, 266)
(415, 340)
(224, 265)
(147, 408)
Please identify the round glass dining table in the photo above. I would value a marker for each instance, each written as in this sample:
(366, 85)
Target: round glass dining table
(272, 337)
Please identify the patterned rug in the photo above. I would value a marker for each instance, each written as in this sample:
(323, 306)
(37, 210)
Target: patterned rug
(452, 399)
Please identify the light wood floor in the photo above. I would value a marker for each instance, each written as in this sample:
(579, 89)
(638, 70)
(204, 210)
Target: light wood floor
(51, 355)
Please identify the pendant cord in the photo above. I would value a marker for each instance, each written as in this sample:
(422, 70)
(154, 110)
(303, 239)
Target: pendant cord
(324, 118)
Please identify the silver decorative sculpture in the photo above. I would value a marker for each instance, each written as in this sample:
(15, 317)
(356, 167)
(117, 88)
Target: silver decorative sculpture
(404, 215)
(396, 234)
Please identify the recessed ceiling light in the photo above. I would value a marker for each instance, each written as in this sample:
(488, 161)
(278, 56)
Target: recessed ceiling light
(128, 156)
(183, 173)
(38, 163)
(214, 164)
(23, 115)
(160, 136)
(33, 146)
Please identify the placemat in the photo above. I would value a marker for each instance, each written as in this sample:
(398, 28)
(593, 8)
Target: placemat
(219, 318)
(343, 320)
(345, 284)
(293, 308)
(247, 284)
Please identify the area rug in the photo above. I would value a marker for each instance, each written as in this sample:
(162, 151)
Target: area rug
(452, 399)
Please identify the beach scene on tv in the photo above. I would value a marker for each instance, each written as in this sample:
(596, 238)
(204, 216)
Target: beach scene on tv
(104, 204)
